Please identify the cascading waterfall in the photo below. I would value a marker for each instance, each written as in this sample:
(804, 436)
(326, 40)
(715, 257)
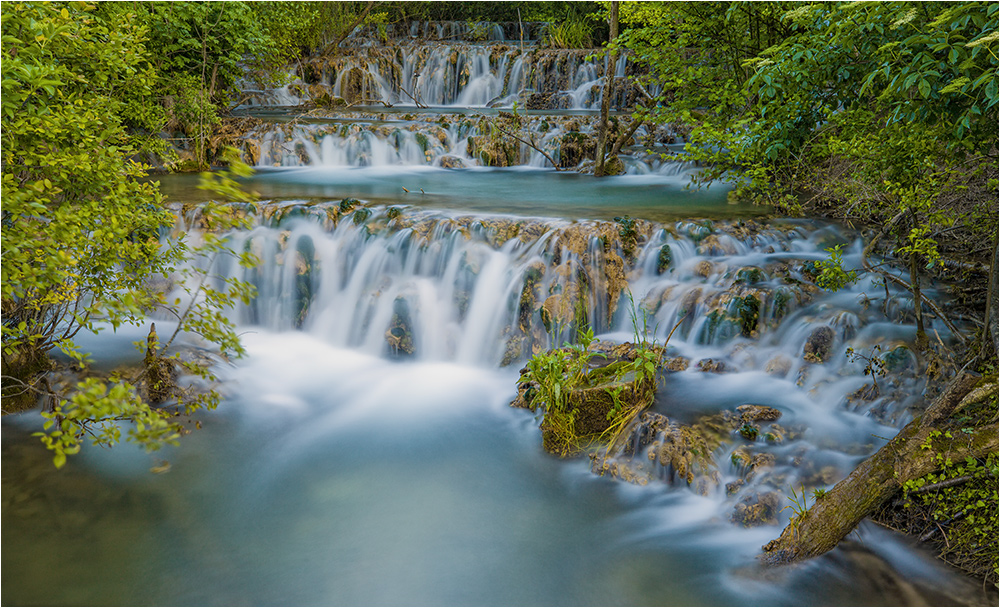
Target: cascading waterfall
(738, 301)
(366, 448)
(400, 281)
(450, 142)
(452, 64)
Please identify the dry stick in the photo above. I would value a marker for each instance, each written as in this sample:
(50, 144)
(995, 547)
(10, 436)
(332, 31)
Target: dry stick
(530, 144)
(948, 483)
(415, 100)
(368, 101)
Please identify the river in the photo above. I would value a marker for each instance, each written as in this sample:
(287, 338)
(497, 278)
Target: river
(348, 467)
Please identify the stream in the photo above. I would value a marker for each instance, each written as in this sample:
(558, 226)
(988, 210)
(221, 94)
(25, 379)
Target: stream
(366, 452)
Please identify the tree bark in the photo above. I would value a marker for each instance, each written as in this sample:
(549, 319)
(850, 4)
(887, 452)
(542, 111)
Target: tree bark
(988, 344)
(609, 87)
(878, 478)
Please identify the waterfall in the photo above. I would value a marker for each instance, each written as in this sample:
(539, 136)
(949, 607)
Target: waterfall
(450, 64)
(403, 282)
(443, 140)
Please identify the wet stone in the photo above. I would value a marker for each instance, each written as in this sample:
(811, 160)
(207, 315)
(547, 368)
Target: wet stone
(758, 413)
(778, 366)
(819, 345)
(452, 162)
(676, 364)
(758, 509)
(712, 366)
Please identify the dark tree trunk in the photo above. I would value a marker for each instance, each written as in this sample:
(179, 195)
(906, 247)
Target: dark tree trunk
(988, 344)
(609, 88)
(878, 478)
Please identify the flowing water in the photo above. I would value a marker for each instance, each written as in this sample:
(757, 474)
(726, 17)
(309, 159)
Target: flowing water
(366, 453)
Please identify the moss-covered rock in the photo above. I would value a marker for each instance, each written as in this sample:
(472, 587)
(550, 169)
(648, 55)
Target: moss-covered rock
(399, 334)
(819, 345)
(757, 509)
(574, 148)
(159, 375)
(592, 410)
(664, 259)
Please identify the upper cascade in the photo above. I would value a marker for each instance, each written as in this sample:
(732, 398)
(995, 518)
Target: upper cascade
(453, 64)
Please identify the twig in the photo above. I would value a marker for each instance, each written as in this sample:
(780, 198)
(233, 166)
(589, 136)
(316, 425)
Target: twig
(415, 100)
(948, 483)
(529, 144)
(891, 277)
(368, 101)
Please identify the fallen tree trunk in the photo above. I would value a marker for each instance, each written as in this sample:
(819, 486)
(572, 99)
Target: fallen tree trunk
(877, 479)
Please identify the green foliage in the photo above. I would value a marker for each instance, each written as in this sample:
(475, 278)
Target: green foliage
(575, 32)
(486, 11)
(886, 108)
(74, 213)
(832, 275)
(82, 230)
(874, 366)
(960, 501)
(556, 374)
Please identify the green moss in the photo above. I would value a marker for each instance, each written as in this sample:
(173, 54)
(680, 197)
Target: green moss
(664, 259)
(587, 404)
(362, 215)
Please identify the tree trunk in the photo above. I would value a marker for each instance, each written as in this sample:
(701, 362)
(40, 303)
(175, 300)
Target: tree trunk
(988, 344)
(364, 14)
(878, 478)
(921, 341)
(609, 87)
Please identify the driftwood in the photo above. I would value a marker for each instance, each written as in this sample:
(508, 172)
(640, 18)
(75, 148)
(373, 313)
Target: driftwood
(531, 144)
(877, 479)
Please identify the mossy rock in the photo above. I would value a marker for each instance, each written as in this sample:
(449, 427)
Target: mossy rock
(750, 275)
(592, 413)
(664, 259)
(899, 359)
(819, 345)
(575, 148)
(160, 378)
(28, 365)
(758, 509)
(451, 162)
(614, 166)
(686, 451)
(399, 335)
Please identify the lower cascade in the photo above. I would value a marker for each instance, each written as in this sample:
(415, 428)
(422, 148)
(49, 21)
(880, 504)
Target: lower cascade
(764, 380)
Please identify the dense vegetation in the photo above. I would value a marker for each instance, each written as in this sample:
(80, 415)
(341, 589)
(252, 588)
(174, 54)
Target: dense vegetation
(81, 231)
(882, 113)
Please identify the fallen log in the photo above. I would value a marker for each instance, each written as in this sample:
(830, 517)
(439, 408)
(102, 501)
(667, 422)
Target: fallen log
(833, 516)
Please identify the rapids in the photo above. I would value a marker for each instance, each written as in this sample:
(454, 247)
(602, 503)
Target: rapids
(366, 453)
